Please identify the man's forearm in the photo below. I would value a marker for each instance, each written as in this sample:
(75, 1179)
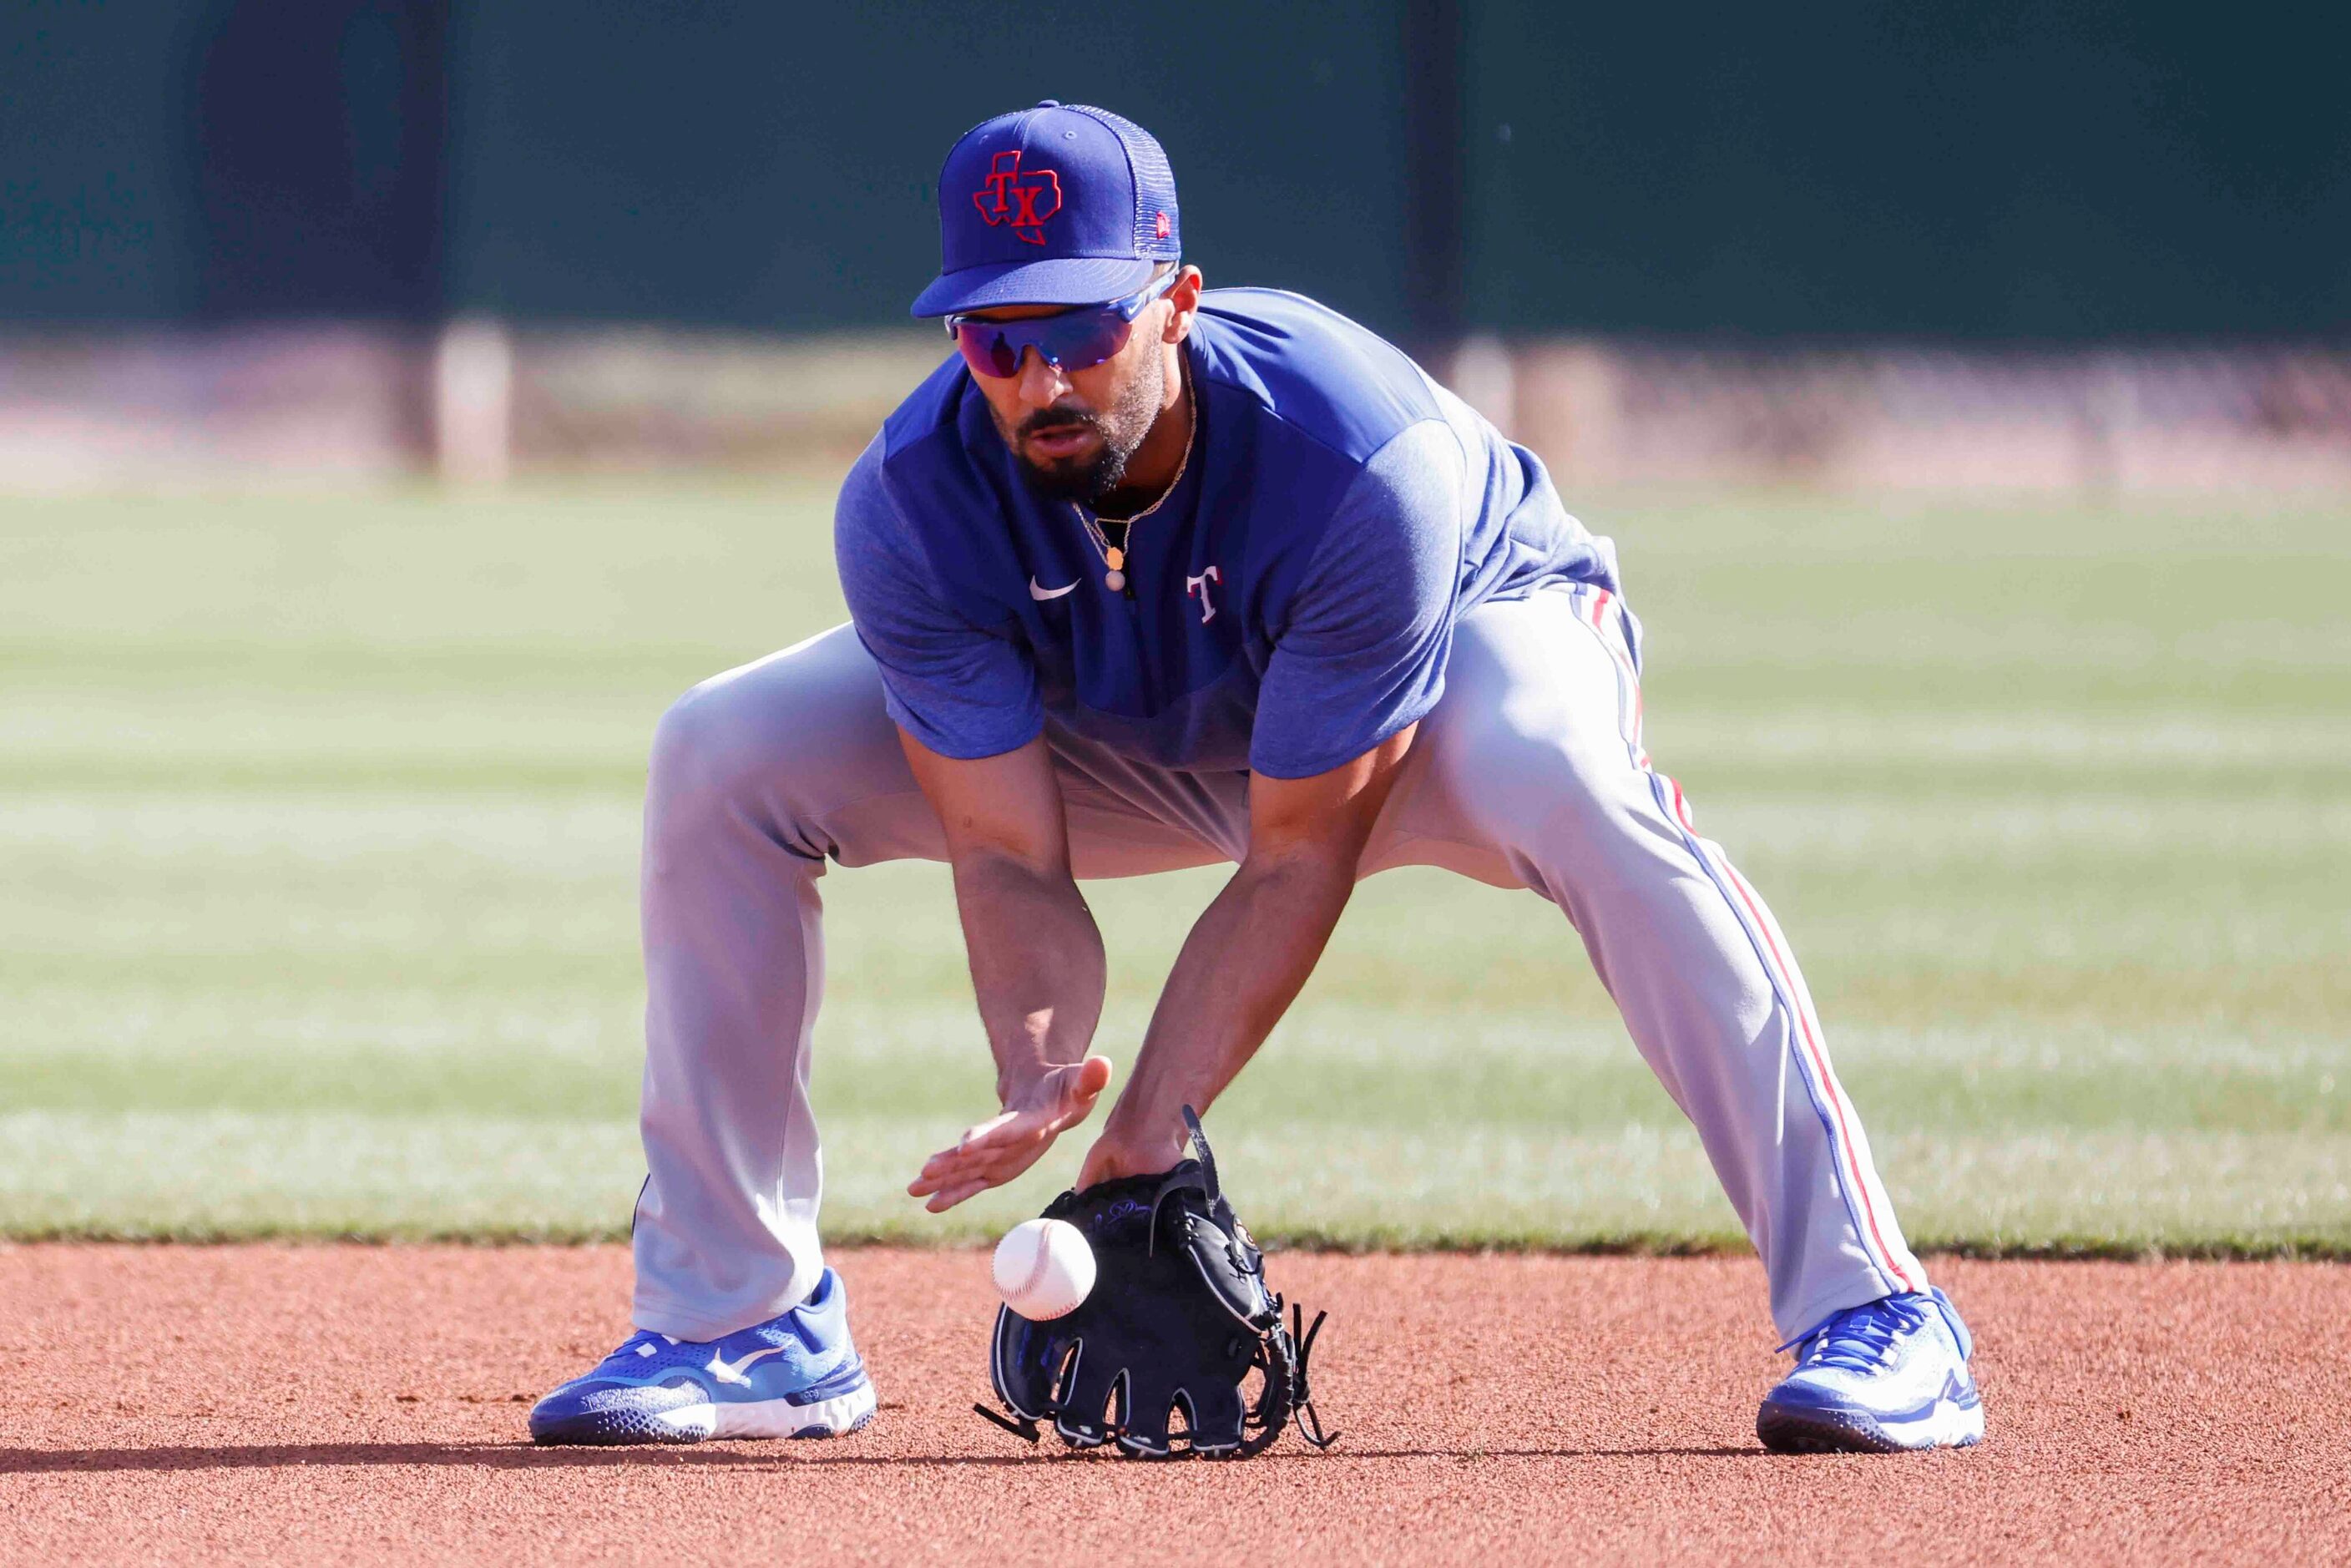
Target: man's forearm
(1036, 964)
(1247, 957)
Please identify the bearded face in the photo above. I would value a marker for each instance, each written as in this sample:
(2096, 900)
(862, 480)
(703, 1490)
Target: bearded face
(1077, 450)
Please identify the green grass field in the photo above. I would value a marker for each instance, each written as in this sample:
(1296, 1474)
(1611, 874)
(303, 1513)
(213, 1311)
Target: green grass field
(318, 821)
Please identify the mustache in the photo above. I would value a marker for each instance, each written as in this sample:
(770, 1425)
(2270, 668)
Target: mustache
(1061, 416)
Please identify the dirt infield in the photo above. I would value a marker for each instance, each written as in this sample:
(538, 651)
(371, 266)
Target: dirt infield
(364, 1405)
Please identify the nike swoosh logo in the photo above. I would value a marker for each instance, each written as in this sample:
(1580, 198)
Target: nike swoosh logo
(738, 1372)
(1043, 593)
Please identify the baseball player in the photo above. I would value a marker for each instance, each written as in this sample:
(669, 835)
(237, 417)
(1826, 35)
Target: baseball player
(1142, 576)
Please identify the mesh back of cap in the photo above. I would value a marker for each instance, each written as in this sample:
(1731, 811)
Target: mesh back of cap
(1154, 185)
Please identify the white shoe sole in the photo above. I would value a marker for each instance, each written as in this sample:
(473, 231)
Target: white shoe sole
(1809, 1429)
(831, 1418)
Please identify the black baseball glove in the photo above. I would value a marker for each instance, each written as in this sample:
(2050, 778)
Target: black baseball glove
(1179, 1319)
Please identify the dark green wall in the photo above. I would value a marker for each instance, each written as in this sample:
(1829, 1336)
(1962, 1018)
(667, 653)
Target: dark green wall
(2001, 169)
(2082, 170)
(95, 161)
(776, 165)
(218, 160)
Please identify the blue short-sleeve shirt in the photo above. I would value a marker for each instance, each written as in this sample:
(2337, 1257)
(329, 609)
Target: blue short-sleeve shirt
(1291, 601)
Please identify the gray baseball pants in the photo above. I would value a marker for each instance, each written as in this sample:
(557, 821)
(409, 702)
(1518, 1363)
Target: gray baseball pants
(1528, 774)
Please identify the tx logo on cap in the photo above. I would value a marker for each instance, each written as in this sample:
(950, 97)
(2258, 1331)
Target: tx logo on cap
(1023, 200)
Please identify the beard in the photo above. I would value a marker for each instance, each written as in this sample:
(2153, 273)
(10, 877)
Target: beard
(1118, 433)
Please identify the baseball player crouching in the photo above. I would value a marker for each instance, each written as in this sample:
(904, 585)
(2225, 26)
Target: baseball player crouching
(1147, 576)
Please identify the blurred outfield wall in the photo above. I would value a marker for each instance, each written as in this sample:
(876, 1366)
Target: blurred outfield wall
(235, 231)
(1999, 170)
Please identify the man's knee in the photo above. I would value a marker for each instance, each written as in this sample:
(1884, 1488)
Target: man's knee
(794, 735)
(711, 748)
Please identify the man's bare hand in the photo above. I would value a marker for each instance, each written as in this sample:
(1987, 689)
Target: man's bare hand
(1000, 1148)
(1115, 1156)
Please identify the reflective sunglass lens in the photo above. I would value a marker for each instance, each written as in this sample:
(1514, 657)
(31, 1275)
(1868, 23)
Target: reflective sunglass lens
(1078, 341)
(986, 350)
(1003, 356)
(1092, 338)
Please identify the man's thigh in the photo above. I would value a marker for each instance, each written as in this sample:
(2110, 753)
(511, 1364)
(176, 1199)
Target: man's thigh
(1530, 743)
(799, 743)
(803, 739)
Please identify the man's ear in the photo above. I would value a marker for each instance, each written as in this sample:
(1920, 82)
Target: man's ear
(1185, 298)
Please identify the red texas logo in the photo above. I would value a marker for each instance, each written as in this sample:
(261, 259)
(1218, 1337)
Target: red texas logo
(1024, 201)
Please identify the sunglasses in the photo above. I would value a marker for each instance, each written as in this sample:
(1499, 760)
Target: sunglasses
(1073, 341)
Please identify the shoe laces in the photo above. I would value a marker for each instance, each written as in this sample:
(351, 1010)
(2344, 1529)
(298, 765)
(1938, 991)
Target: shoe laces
(1862, 1339)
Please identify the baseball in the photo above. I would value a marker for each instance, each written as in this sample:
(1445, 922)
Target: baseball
(1043, 1269)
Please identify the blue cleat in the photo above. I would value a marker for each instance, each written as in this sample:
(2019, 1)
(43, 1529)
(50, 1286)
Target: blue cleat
(792, 1377)
(1889, 1376)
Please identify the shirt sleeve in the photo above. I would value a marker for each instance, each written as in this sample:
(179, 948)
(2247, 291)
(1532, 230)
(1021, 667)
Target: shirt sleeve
(1362, 651)
(963, 690)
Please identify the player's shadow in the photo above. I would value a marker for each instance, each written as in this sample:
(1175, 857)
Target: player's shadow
(525, 1457)
(469, 1455)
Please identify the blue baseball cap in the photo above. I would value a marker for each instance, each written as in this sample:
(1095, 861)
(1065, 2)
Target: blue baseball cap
(1059, 205)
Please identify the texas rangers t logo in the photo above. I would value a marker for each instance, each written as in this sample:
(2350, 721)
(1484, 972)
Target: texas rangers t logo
(1199, 585)
(1023, 200)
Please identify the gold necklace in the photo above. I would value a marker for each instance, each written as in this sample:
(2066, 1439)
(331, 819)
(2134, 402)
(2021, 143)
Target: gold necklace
(1114, 556)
